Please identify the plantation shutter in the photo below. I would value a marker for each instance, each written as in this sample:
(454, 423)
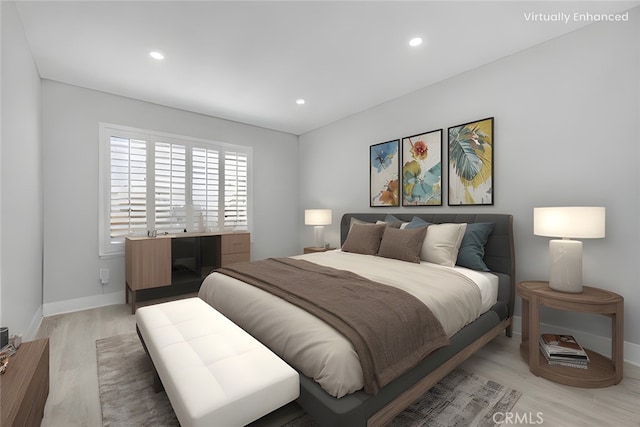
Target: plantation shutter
(170, 186)
(236, 189)
(205, 188)
(152, 181)
(128, 187)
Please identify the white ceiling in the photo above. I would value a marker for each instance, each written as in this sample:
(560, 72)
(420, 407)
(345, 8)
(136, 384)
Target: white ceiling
(250, 61)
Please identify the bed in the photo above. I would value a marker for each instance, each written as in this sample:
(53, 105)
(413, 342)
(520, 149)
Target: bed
(346, 403)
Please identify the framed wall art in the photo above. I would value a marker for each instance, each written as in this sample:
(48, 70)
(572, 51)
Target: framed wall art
(422, 169)
(471, 163)
(384, 166)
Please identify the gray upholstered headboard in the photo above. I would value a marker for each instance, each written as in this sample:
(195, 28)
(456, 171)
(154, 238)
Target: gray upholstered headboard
(499, 250)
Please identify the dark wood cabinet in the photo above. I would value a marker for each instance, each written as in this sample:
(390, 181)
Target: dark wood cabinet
(24, 387)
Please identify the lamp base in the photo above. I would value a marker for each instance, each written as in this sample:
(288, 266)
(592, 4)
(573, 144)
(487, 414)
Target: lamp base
(565, 265)
(318, 234)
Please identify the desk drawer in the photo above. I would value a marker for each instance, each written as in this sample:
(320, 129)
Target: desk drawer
(235, 243)
(228, 259)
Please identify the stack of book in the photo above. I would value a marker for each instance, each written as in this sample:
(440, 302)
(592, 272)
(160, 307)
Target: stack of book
(563, 350)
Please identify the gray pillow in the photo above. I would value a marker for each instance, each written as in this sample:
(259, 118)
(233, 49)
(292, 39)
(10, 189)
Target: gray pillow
(417, 223)
(364, 238)
(394, 222)
(404, 245)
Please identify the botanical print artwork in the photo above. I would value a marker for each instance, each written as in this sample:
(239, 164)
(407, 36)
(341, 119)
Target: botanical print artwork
(384, 167)
(471, 163)
(422, 169)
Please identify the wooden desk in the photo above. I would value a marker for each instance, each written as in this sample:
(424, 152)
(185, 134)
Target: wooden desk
(602, 371)
(149, 263)
(25, 386)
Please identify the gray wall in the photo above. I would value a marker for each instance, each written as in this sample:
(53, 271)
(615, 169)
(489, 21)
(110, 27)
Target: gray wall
(70, 128)
(566, 133)
(20, 181)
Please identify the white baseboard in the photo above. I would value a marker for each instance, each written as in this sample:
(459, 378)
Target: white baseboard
(593, 342)
(32, 330)
(78, 304)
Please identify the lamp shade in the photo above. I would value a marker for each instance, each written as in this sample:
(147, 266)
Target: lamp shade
(584, 222)
(317, 216)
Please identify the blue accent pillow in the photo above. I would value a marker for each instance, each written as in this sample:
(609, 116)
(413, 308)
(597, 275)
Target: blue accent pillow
(471, 253)
(417, 223)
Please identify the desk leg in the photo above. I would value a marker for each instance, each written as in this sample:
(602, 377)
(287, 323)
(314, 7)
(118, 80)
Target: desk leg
(132, 300)
(617, 341)
(534, 333)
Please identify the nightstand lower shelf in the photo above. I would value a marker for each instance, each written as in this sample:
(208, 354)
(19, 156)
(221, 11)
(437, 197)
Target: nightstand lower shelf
(600, 373)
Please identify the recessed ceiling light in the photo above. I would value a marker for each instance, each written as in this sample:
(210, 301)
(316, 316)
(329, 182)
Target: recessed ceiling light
(416, 41)
(156, 55)
(300, 101)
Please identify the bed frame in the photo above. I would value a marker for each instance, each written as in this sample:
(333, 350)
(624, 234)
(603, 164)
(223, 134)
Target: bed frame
(362, 409)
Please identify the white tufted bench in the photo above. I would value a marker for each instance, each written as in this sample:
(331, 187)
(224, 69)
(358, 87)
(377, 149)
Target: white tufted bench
(214, 373)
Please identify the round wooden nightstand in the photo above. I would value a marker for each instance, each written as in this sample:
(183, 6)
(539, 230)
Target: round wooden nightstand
(602, 371)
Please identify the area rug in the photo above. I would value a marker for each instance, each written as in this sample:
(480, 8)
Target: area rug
(127, 398)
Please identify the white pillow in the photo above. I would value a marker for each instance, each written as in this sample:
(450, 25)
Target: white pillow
(442, 242)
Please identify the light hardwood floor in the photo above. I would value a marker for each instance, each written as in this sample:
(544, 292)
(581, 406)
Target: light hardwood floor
(73, 397)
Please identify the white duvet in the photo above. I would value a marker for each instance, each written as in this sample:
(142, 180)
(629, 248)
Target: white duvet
(319, 351)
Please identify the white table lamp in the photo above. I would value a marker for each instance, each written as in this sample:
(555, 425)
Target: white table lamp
(318, 218)
(565, 256)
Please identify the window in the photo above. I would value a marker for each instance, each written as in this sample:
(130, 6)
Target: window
(168, 183)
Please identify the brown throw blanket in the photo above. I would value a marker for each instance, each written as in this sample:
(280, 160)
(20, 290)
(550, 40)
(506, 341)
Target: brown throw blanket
(390, 329)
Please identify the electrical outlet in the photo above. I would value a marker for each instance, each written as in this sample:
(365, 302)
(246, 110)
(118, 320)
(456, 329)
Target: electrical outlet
(104, 276)
(16, 340)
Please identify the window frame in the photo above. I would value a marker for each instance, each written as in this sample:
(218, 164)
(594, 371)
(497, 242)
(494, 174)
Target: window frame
(106, 247)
